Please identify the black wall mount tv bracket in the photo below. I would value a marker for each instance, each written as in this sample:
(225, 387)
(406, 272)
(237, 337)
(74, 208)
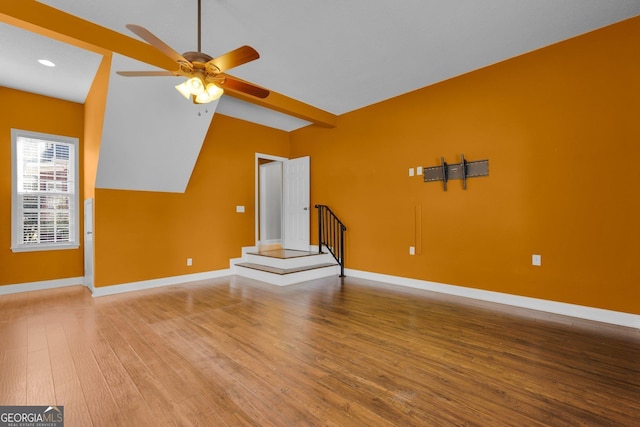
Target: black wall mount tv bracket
(463, 170)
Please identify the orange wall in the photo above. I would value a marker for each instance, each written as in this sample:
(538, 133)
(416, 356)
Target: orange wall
(35, 113)
(558, 125)
(561, 129)
(145, 235)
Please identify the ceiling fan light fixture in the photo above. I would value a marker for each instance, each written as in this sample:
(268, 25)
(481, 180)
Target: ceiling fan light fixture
(212, 93)
(195, 89)
(193, 86)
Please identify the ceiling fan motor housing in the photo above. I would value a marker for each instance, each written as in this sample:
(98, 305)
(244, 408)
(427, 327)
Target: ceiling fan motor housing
(197, 57)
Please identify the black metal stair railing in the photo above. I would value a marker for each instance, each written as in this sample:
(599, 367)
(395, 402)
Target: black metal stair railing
(331, 234)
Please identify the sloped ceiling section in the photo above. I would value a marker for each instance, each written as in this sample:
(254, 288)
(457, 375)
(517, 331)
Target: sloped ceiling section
(151, 136)
(20, 51)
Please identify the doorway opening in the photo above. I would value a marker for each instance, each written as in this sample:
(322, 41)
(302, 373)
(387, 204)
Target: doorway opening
(268, 202)
(270, 206)
(282, 202)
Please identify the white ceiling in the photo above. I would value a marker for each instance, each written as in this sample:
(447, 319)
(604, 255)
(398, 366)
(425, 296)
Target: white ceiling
(19, 69)
(337, 55)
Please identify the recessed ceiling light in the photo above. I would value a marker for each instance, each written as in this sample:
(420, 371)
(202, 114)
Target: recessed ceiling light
(46, 63)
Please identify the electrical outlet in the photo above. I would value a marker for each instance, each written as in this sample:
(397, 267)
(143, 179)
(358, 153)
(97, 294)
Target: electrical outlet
(240, 209)
(412, 250)
(536, 260)
(189, 262)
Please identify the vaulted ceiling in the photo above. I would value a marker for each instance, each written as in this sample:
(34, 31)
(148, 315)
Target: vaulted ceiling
(335, 55)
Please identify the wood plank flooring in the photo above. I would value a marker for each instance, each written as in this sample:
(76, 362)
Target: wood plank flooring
(236, 352)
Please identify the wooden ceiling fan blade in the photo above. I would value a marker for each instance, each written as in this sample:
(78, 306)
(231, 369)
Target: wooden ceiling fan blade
(240, 86)
(144, 73)
(154, 41)
(236, 57)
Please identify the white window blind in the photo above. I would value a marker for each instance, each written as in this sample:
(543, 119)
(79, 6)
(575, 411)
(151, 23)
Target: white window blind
(45, 192)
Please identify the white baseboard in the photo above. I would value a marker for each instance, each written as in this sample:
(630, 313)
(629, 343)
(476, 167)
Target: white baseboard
(578, 311)
(156, 283)
(38, 286)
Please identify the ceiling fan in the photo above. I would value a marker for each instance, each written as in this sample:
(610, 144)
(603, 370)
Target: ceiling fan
(204, 82)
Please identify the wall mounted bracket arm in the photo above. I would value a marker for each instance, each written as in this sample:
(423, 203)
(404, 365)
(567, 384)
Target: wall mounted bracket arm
(450, 171)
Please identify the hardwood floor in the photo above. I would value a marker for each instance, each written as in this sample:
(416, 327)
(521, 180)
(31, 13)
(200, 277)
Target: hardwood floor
(237, 352)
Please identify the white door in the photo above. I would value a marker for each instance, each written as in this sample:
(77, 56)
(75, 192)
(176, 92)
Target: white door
(296, 209)
(88, 243)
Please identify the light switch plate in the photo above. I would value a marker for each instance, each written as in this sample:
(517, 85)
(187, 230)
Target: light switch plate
(410, 171)
(240, 209)
(536, 260)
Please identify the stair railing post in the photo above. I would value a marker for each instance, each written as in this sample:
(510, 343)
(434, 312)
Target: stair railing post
(341, 251)
(319, 228)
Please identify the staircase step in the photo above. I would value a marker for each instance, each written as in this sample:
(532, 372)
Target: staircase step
(287, 259)
(281, 271)
(284, 267)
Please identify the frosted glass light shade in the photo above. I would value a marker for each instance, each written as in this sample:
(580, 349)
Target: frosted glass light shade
(212, 93)
(194, 87)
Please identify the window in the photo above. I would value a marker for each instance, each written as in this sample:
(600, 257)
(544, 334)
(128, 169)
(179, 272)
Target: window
(45, 191)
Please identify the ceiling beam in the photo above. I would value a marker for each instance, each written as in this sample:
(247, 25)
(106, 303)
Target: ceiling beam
(54, 23)
(284, 104)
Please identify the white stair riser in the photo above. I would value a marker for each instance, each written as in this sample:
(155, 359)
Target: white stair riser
(286, 279)
(287, 263)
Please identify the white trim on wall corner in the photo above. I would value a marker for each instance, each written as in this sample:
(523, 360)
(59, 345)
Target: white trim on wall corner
(578, 311)
(156, 283)
(90, 287)
(38, 286)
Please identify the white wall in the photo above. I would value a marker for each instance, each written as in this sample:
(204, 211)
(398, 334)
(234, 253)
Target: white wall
(152, 135)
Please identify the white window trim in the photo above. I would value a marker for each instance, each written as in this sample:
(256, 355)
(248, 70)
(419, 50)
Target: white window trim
(16, 245)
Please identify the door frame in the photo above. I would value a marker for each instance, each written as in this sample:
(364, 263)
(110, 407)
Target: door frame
(258, 157)
(267, 181)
